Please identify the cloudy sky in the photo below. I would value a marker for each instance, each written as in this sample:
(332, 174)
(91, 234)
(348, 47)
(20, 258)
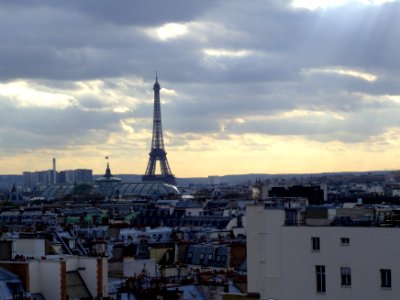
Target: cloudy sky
(261, 86)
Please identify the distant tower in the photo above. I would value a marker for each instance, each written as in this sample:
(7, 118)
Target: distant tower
(108, 183)
(54, 172)
(157, 152)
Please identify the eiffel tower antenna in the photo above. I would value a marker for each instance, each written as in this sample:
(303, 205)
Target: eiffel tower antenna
(157, 151)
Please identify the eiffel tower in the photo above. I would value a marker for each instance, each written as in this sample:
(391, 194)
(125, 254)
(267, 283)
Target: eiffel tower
(157, 152)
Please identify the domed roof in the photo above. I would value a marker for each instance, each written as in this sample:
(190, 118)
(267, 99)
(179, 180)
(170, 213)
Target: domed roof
(136, 189)
(148, 189)
(108, 177)
(59, 191)
(111, 186)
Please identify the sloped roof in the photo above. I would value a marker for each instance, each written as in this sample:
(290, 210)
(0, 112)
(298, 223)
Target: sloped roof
(187, 204)
(5, 292)
(76, 287)
(6, 275)
(190, 292)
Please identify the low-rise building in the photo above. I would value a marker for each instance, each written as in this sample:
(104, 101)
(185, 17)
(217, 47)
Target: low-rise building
(62, 277)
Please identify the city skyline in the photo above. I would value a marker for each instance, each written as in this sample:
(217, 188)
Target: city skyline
(262, 87)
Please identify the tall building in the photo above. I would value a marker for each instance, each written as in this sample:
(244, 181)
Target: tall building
(38, 179)
(83, 175)
(157, 152)
(75, 176)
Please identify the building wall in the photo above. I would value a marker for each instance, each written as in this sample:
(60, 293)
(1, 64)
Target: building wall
(195, 211)
(29, 247)
(5, 250)
(38, 178)
(45, 277)
(69, 176)
(88, 269)
(135, 267)
(263, 250)
(75, 176)
(102, 279)
(83, 175)
(281, 263)
(48, 276)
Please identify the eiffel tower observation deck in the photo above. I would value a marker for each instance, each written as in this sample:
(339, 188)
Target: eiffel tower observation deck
(157, 152)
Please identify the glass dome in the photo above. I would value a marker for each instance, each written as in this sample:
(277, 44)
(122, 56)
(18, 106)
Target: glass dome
(126, 190)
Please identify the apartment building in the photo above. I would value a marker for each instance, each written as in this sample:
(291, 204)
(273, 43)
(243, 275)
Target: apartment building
(292, 260)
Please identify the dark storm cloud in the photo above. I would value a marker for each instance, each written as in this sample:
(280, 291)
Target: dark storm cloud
(353, 36)
(75, 46)
(353, 129)
(39, 127)
(347, 116)
(58, 39)
(58, 43)
(124, 12)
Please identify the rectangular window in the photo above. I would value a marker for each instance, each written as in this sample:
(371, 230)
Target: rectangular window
(386, 278)
(321, 279)
(345, 241)
(345, 276)
(189, 258)
(315, 243)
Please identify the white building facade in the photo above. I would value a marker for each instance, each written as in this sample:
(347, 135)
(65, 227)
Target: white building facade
(320, 262)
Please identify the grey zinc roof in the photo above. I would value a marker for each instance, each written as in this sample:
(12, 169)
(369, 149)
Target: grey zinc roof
(188, 204)
(6, 275)
(5, 292)
(190, 292)
(76, 288)
(208, 255)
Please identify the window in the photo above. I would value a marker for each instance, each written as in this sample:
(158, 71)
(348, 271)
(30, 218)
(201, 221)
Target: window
(320, 276)
(315, 244)
(345, 276)
(386, 278)
(344, 241)
(210, 256)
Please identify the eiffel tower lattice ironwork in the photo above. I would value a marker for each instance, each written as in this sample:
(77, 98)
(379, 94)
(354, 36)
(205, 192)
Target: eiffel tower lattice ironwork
(157, 152)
